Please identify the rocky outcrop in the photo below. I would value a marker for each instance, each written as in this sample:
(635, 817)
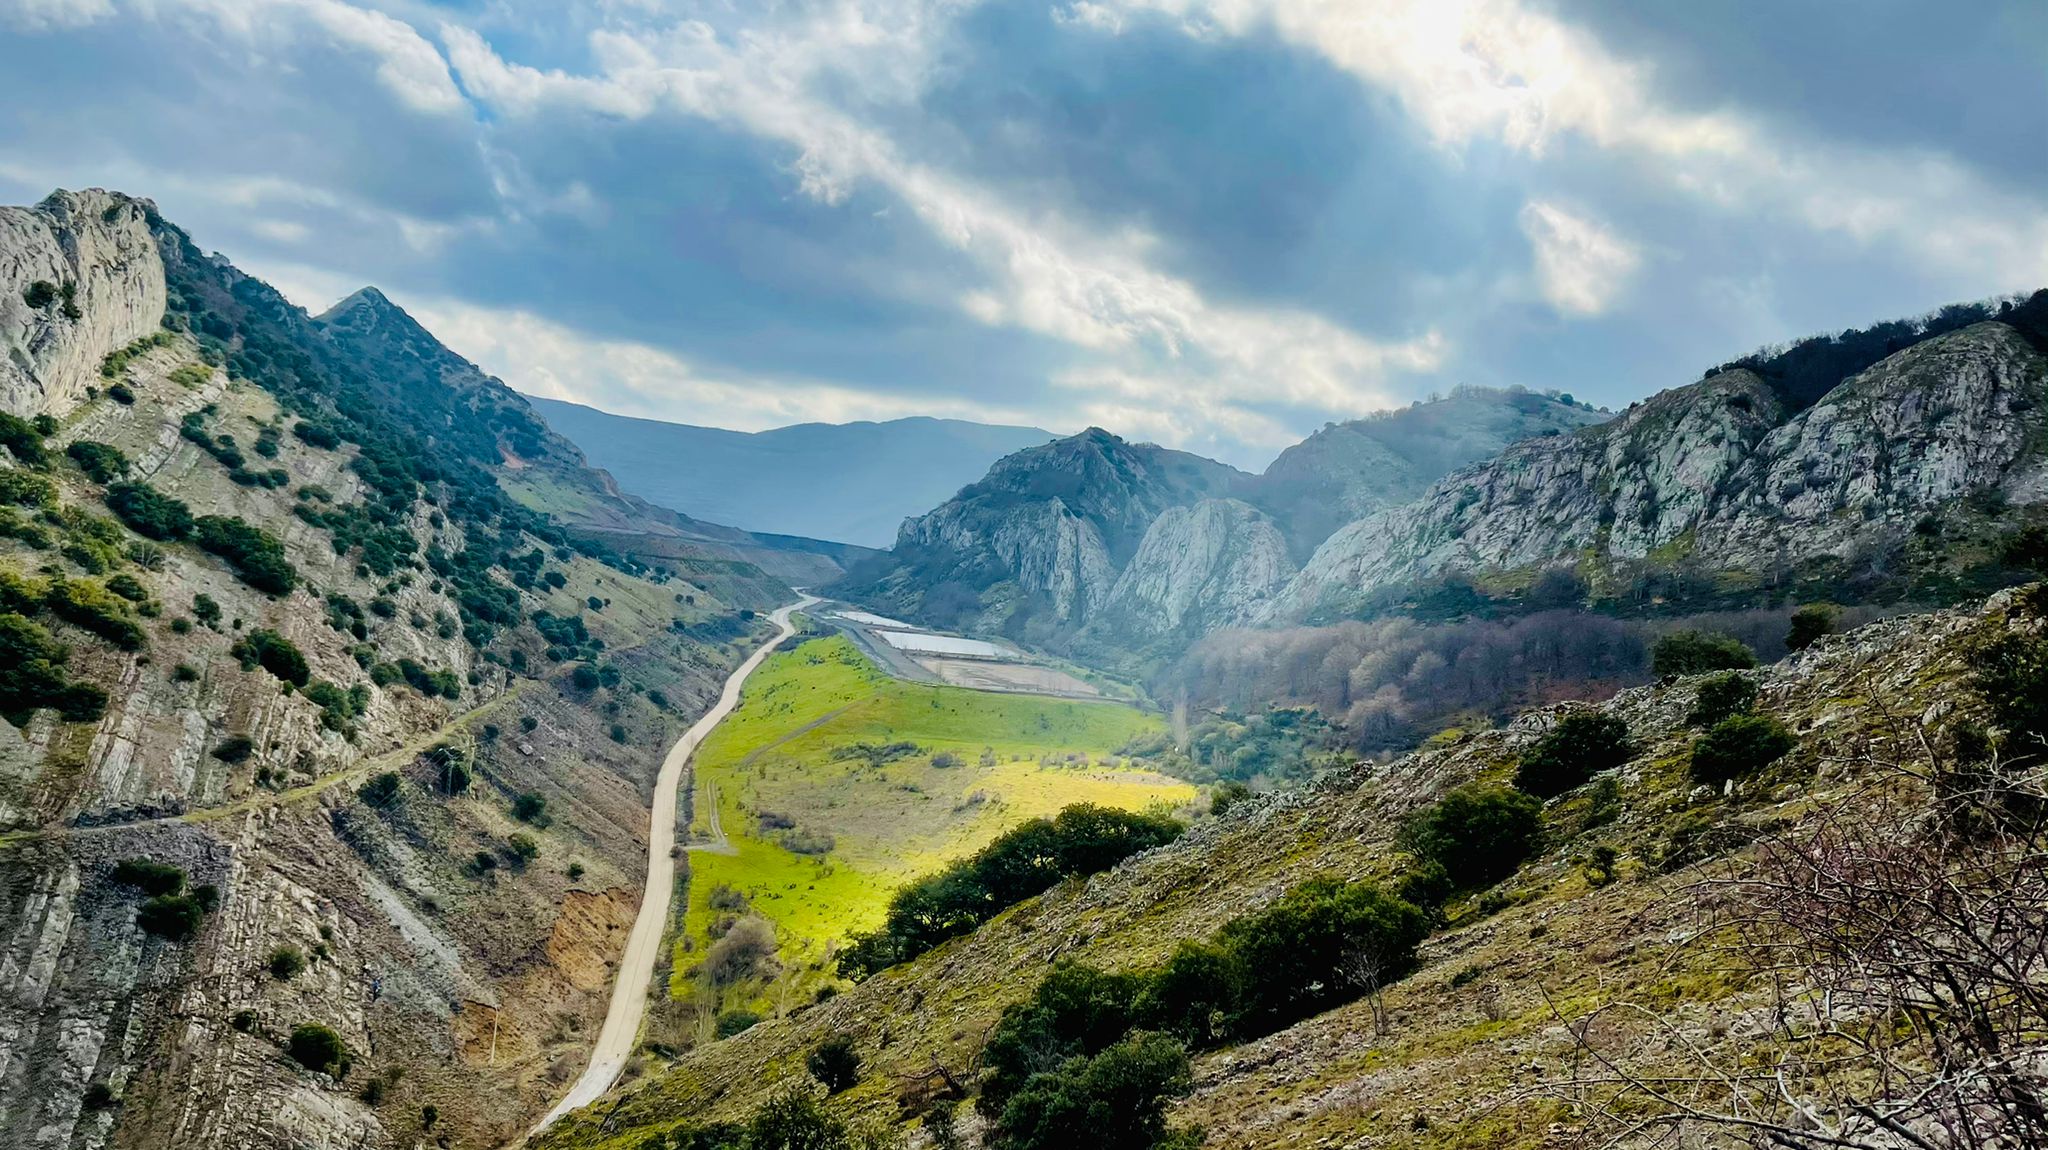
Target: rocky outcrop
(1198, 567)
(1715, 473)
(79, 277)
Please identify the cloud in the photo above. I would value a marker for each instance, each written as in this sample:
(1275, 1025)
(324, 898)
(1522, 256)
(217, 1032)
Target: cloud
(1506, 72)
(1580, 265)
(540, 357)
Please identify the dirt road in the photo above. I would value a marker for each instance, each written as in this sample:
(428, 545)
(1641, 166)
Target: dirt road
(621, 1031)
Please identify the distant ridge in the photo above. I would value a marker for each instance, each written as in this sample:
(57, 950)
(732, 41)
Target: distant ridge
(848, 482)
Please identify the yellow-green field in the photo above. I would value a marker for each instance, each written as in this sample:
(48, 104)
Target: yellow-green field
(783, 753)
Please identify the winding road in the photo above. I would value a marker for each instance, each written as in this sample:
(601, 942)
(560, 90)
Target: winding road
(621, 1031)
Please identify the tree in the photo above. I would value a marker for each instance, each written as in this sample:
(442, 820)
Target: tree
(835, 1063)
(1809, 624)
(1739, 745)
(1697, 652)
(1478, 834)
(1581, 745)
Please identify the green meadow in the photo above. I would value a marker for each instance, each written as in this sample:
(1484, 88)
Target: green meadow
(835, 784)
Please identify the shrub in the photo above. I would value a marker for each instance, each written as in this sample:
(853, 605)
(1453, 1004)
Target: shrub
(835, 1064)
(149, 876)
(275, 654)
(733, 1022)
(315, 1047)
(1581, 745)
(1697, 652)
(286, 962)
(1313, 948)
(26, 489)
(1113, 1101)
(255, 554)
(150, 512)
(382, 790)
(1722, 696)
(1478, 834)
(1738, 746)
(1809, 624)
(234, 749)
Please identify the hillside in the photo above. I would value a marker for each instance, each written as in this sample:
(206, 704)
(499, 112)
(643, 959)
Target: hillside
(280, 658)
(851, 482)
(1557, 990)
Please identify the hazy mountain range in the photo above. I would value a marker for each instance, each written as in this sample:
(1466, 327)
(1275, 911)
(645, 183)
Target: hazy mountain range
(850, 482)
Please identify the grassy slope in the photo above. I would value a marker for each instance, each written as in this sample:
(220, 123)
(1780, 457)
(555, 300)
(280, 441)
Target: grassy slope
(892, 823)
(1474, 1046)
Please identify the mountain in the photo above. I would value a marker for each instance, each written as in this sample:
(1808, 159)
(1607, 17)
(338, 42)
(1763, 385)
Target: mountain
(852, 482)
(1876, 488)
(1035, 547)
(286, 627)
(1103, 547)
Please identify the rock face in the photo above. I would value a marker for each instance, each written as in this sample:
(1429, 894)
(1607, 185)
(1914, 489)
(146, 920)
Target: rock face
(93, 249)
(1197, 568)
(1349, 470)
(1715, 473)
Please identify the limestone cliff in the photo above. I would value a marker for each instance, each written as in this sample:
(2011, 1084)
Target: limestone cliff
(79, 278)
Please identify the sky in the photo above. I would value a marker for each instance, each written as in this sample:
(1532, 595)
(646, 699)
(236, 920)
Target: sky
(1214, 224)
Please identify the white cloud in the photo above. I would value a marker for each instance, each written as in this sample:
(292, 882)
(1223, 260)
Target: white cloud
(1041, 273)
(1580, 265)
(1508, 71)
(537, 356)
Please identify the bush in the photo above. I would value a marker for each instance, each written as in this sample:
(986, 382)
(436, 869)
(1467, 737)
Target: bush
(315, 1047)
(1479, 835)
(150, 512)
(1581, 745)
(286, 962)
(383, 790)
(1739, 745)
(733, 1022)
(255, 554)
(234, 749)
(1026, 860)
(1697, 652)
(1113, 1101)
(835, 1064)
(149, 876)
(275, 654)
(1314, 948)
(1722, 696)
(26, 489)
(1809, 624)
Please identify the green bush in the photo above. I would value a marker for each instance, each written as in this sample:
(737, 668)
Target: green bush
(1479, 835)
(149, 876)
(835, 1064)
(316, 1047)
(275, 654)
(1026, 860)
(1739, 745)
(1581, 745)
(381, 790)
(150, 512)
(1697, 652)
(93, 607)
(1722, 696)
(1115, 1100)
(26, 489)
(255, 554)
(1809, 624)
